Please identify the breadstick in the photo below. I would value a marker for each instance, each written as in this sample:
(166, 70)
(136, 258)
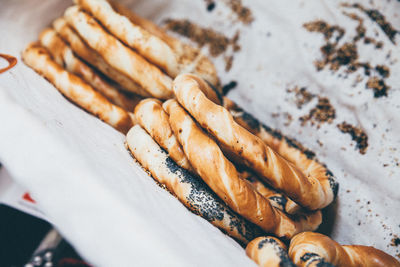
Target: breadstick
(93, 58)
(74, 88)
(188, 58)
(193, 80)
(310, 192)
(277, 200)
(221, 176)
(149, 46)
(64, 56)
(268, 251)
(313, 250)
(119, 56)
(190, 190)
(288, 148)
(151, 116)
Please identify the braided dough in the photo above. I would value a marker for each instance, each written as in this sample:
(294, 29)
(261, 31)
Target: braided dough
(190, 190)
(268, 252)
(221, 176)
(151, 116)
(93, 58)
(75, 88)
(119, 56)
(64, 56)
(313, 250)
(288, 148)
(187, 58)
(310, 192)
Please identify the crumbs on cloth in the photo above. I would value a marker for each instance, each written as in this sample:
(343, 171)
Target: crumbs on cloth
(302, 96)
(321, 113)
(346, 55)
(216, 42)
(357, 135)
(324, 112)
(379, 18)
(243, 13)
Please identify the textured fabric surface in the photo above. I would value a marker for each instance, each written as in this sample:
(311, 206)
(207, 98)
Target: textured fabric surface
(87, 184)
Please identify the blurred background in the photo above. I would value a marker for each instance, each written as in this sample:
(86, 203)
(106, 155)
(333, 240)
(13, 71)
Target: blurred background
(26, 239)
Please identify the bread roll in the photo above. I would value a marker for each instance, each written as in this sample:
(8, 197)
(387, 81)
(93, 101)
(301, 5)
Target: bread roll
(152, 117)
(268, 251)
(188, 58)
(314, 250)
(80, 48)
(277, 199)
(221, 176)
(75, 89)
(189, 189)
(288, 148)
(64, 56)
(311, 192)
(117, 55)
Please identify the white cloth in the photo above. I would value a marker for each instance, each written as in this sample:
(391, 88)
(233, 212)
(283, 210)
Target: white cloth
(79, 171)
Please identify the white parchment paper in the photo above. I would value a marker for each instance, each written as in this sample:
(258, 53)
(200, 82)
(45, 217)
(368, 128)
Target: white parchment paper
(78, 170)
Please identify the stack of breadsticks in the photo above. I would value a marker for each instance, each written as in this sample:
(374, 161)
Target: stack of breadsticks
(221, 163)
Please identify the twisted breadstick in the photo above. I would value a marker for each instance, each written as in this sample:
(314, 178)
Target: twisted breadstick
(288, 148)
(313, 250)
(277, 200)
(268, 252)
(192, 80)
(187, 58)
(75, 88)
(311, 192)
(64, 56)
(93, 58)
(190, 190)
(149, 46)
(151, 116)
(221, 176)
(119, 56)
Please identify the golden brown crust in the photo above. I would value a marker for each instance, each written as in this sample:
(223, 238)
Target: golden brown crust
(152, 117)
(268, 251)
(119, 56)
(64, 56)
(192, 80)
(209, 162)
(313, 249)
(289, 149)
(189, 189)
(148, 45)
(310, 192)
(146, 24)
(75, 89)
(189, 59)
(277, 199)
(80, 48)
